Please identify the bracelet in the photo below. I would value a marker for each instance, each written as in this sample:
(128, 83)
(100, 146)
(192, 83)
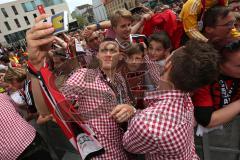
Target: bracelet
(98, 26)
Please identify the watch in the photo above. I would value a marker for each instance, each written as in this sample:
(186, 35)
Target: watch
(98, 26)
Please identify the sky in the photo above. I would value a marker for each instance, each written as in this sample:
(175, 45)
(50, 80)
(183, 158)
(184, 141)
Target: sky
(71, 3)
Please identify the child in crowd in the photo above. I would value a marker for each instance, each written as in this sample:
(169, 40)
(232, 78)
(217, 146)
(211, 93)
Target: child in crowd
(135, 71)
(159, 47)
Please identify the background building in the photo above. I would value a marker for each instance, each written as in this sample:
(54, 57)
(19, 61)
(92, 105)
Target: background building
(84, 15)
(99, 10)
(112, 5)
(86, 11)
(18, 16)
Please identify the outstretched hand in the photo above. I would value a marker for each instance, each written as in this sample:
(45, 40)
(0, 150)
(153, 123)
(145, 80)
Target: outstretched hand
(39, 40)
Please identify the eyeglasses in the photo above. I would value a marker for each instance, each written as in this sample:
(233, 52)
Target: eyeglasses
(232, 46)
(229, 24)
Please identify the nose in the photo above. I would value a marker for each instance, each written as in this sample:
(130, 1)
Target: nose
(108, 53)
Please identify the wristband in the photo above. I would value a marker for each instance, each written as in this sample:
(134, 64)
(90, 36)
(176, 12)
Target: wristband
(98, 26)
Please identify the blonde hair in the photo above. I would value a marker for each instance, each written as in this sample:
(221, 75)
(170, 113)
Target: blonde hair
(19, 74)
(237, 16)
(120, 13)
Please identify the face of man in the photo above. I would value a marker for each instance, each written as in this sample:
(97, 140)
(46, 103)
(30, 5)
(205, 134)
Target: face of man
(77, 36)
(135, 61)
(231, 67)
(123, 28)
(93, 41)
(108, 55)
(222, 29)
(156, 51)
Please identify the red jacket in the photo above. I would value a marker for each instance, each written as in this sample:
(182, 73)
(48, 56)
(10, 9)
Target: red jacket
(166, 21)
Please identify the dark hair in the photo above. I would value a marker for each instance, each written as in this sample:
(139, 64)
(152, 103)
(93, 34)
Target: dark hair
(61, 52)
(108, 39)
(4, 59)
(161, 37)
(135, 49)
(229, 49)
(212, 15)
(194, 66)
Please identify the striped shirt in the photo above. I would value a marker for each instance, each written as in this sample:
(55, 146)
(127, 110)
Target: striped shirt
(189, 15)
(15, 133)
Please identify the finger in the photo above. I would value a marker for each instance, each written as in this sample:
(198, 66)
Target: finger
(41, 34)
(66, 38)
(123, 118)
(168, 59)
(40, 42)
(41, 17)
(40, 26)
(121, 113)
(168, 65)
(116, 110)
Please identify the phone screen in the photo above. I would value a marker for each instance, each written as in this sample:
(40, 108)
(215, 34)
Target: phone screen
(58, 22)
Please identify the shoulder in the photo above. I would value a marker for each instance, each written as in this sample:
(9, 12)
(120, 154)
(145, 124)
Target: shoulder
(4, 98)
(203, 96)
(82, 75)
(192, 6)
(5, 103)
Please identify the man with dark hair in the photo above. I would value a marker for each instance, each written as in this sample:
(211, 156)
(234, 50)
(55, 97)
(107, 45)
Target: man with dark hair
(165, 129)
(192, 16)
(218, 26)
(218, 104)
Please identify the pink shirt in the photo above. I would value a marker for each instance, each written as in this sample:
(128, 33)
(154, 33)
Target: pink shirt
(163, 131)
(15, 133)
(95, 100)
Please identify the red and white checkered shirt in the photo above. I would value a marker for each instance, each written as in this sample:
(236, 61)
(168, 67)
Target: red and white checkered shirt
(95, 100)
(163, 131)
(155, 70)
(15, 133)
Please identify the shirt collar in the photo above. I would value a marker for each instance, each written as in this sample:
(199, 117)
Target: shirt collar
(165, 94)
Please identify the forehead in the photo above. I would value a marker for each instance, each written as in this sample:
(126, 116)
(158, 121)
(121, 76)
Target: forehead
(233, 57)
(109, 44)
(230, 17)
(156, 43)
(122, 21)
(93, 35)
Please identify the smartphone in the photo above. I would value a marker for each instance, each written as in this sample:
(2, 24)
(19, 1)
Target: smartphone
(79, 48)
(138, 38)
(59, 21)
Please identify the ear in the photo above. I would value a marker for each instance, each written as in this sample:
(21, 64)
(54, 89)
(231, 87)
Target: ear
(114, 29)
(209, 29)
(97, 55)
(167, 52)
